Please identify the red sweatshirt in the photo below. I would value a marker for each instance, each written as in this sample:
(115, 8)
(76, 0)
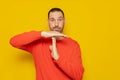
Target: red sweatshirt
(67, 67)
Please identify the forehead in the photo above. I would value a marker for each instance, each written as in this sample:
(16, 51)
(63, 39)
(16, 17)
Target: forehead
(56, 14)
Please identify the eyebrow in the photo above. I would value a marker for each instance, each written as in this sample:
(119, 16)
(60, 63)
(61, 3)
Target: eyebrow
(58, 17)
(51, 18)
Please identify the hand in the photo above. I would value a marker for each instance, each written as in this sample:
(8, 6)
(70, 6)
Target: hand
(47, 34)
(53, 49)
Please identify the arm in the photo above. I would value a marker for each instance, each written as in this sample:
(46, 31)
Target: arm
(25, 39)
(73, 68)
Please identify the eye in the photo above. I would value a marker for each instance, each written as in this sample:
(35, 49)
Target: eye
(60, 19)
(52, 20)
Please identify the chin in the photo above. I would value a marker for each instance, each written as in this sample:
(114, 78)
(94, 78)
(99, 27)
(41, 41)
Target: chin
(58, 31)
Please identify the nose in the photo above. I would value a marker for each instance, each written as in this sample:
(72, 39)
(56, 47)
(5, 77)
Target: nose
(56, 23)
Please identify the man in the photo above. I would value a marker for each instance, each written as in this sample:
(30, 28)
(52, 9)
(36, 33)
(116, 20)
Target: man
(56, 56)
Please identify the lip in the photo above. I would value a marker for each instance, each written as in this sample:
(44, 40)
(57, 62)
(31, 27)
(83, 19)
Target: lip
(56, 29)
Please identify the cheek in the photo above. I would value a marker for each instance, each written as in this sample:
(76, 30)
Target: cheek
(51, 25)
(61, 24)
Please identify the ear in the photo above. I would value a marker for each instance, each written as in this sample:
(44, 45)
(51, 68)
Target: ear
(64, 21)
(48, 21)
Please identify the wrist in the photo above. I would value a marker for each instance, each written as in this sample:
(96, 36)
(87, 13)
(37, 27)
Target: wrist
(43, 33)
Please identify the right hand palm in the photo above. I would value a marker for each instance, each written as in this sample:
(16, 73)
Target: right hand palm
(52, 34)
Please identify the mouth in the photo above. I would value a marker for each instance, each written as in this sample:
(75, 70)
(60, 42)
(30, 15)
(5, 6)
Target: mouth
(57, 29)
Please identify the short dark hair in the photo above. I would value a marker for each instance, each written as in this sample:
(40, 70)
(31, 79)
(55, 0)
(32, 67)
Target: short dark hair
(55, 9)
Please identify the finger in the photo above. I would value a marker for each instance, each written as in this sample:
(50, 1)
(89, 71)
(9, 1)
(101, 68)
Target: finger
(65, 36)
(51, 50)
(50, 47)
(61, 35)
(53, 41)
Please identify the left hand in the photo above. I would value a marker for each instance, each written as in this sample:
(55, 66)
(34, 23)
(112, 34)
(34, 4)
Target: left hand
(53, 49)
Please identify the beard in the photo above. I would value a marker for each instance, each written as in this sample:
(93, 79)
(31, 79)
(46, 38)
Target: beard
(57, 28)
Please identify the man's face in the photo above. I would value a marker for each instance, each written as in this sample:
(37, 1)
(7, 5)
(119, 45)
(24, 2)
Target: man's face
(56, 21)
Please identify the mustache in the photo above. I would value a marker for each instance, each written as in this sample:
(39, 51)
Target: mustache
(56, 27)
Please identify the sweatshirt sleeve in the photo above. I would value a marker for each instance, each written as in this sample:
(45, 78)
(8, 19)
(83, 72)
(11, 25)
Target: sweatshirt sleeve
(74, 67)
(24, 40)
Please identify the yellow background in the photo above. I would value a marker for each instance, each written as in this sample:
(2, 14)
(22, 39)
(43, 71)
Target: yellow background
(95, 24)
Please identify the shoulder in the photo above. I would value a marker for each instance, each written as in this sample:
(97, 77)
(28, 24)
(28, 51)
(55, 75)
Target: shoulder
(73, 42)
